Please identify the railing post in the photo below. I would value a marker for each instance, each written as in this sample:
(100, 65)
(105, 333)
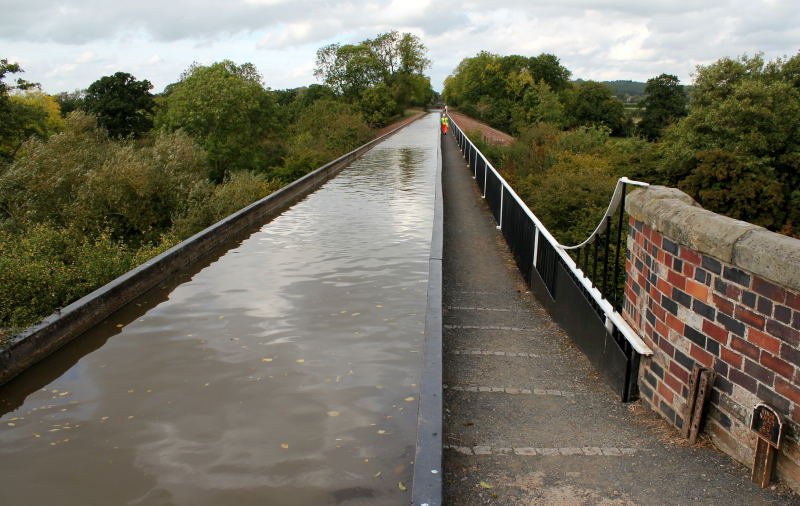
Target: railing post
(605, 255)
(485, 178)
(617, 295)
(535, 246)
(500, 220)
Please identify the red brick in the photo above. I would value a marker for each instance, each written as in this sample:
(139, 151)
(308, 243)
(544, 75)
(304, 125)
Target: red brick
(769, 290)
(723, 305)
(664, 287)
(665, 392)
(666, 346)
(697, 290)
(777, 365)
(690, 256)
(733, 292)
(784, 333)
(681, 373)
(688, 270)
(673, 383)
(676, 279)
(715, 332)
(655, 237)
(793, 300)
(787, 390)
(675, 324)
(731, 358)
(654, 293)
(752, 319)
(702, 356)
(764, 341)
(662, 328)
(745, 348)
(659, 311)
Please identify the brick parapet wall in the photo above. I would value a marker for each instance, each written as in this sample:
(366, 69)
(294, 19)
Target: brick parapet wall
(693, 307)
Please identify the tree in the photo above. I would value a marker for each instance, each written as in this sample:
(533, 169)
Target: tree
(743, 123)
(71, 101)
(123, 105)
(547, 67)
(391, 59)
(664, 103)
(591, 103)
(13, 117)
(377, 105)
(225, 108)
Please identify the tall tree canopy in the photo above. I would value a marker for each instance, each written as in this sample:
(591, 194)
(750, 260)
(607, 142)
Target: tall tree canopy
(664, 103)
(384, 74)
(226, 109)
(123, 105)
(510, 92)
(738, 150)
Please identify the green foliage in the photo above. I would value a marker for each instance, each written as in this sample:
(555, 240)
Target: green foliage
(377, 105)
(591, 103)
(48, 267)
(70, 101)
(83, 180)
(325, 130)
(741, 137)
(747, 191)
(123, 105)
(363, 73)
(508, 92)
(208, 204)
(665, 102)
(19, 119)
(227, 111)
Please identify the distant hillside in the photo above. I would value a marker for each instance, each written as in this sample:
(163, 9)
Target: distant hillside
(625, 90)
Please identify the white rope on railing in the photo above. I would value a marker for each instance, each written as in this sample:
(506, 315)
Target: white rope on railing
(613, 206)
(613, 318)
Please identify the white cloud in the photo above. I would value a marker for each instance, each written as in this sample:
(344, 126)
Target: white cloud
(75, 43)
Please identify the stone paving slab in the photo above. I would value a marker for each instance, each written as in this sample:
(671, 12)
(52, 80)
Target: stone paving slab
(575, 445)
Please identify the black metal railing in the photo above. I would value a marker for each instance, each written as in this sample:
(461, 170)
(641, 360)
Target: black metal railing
(580, 285)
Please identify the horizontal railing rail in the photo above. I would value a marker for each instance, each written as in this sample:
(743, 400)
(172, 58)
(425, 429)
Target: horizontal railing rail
(547, 264)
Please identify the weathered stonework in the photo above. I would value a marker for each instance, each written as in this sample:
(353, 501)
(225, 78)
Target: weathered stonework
(706, 289)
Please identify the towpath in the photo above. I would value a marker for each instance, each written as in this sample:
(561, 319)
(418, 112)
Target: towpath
(526, 418)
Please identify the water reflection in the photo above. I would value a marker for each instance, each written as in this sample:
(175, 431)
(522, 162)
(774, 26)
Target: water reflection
(284, 373)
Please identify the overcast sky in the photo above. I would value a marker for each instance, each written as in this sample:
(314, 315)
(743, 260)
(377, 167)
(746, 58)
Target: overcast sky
(68, 44)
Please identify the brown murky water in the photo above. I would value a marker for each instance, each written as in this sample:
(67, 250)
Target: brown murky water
(285, 372)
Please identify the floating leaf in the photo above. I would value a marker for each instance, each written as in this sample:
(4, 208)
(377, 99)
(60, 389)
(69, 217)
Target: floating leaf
(285, 446)
(119, 325)
(377, 475)
(12, 424)
(486, 485)
(409, 399)
(266, 359)
(401, 486)
(333, 413)
(300, 361)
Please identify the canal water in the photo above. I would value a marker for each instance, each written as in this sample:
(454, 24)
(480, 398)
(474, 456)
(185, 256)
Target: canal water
(285, 372)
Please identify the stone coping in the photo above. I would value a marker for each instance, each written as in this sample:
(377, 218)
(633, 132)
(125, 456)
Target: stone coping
(675, 214)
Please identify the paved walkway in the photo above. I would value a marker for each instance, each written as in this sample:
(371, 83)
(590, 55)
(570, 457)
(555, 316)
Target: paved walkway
(527, 420)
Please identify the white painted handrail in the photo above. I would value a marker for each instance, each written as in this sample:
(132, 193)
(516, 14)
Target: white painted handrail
(613, 318)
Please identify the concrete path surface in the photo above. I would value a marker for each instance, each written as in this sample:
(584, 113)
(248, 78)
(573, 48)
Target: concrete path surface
(527, 420)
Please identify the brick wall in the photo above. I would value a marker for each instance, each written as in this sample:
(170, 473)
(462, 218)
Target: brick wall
(694, 306)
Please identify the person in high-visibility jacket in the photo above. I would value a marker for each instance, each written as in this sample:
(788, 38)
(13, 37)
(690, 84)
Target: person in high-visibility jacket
(445, 124)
